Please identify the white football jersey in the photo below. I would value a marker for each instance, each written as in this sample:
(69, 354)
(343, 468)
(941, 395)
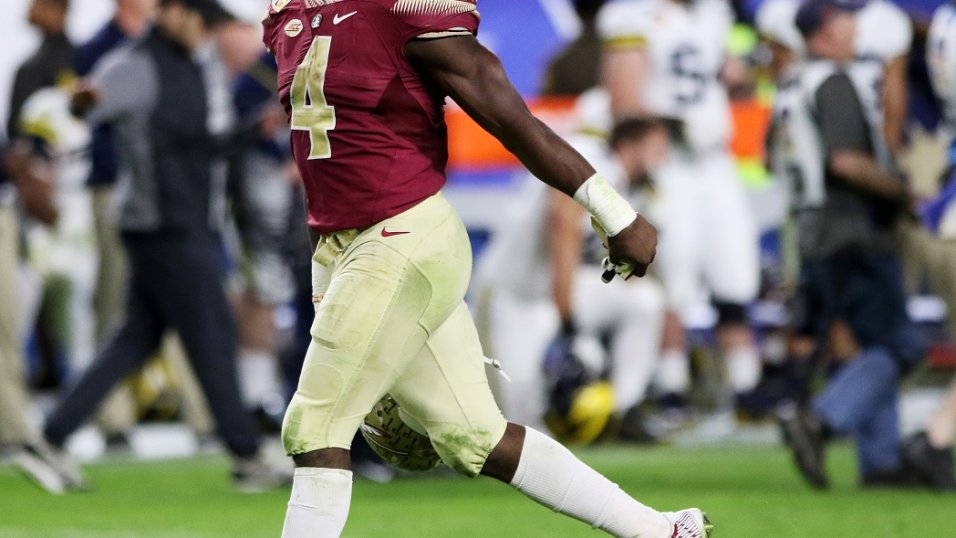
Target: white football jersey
(46, 114)
(941, 58)
(686, 44)
(883, 31)
(796, 148)
(517, 259)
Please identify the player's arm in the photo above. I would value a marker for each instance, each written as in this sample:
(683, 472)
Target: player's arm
(565, 242)
(624, 72)
(894, 102)
(33, 177)
(474, 77)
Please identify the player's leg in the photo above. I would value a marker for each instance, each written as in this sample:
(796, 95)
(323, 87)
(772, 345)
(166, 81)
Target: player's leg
(264, 201)
(731, 267)
(633, 313)
(520, 331)
(385, 295)
(460, 416)
(678, 263)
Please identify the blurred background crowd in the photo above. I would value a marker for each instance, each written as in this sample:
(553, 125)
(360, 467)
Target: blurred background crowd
(155, 262)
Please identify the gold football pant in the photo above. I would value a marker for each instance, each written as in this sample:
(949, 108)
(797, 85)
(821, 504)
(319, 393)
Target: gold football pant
(393, 320)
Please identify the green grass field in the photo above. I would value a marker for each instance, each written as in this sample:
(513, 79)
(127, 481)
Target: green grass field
(750, 492)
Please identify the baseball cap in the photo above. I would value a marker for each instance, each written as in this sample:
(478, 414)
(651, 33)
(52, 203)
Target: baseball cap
(813, 13)
(211, 11)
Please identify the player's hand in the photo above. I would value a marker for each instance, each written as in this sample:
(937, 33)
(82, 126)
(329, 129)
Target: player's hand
(83, 97)
(633, 249)
(37, 193)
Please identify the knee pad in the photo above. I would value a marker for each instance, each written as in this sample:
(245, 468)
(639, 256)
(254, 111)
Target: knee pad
(730, 313)
(308, 427)
(292, 428)
(465, 448)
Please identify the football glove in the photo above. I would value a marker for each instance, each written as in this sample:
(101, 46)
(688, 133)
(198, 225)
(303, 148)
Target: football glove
(623, 269)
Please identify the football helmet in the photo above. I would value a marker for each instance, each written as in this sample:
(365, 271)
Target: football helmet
(398, 444)
(580, 401)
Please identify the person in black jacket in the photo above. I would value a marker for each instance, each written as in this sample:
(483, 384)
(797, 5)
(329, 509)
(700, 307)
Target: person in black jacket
(155, 95)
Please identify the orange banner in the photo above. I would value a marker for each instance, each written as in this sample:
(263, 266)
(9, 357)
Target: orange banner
(470, 146)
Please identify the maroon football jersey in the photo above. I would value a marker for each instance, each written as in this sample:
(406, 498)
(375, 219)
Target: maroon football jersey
(368, 133)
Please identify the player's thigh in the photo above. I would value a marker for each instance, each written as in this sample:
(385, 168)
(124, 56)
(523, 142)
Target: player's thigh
(600, 307)
(445, 390)
(384, 296)
(344, 373)
(730, 237)
(521, 329)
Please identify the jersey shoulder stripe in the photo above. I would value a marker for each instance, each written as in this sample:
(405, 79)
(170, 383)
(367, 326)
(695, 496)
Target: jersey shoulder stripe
(435, 7)
(626, 42)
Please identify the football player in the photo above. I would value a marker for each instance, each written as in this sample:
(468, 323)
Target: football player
(931, 451)
(544, 279)
(666, 58)
(62, 253)
(884, 35)
(364, 83)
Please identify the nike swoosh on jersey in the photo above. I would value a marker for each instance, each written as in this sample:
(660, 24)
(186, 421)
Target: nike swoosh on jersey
(339, 18)
(386, 233)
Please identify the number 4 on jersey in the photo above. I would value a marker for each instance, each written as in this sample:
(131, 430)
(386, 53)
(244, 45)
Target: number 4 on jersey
(310, 111)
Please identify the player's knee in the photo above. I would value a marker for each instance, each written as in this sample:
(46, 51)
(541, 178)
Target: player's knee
(291, 429)
(464, 449)
(305, 428)
(730, 313)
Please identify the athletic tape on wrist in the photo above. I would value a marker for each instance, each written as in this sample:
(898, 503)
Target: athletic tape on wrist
(611, 210)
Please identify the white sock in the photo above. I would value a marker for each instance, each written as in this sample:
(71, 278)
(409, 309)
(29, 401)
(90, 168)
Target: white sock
(673, 372)
(551, 475)
(743, 368)
(319, 504)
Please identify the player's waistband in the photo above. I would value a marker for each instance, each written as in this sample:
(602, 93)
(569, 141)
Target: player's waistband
(333, 244)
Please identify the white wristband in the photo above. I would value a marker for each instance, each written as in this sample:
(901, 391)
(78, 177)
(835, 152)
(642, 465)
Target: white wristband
(608, 207)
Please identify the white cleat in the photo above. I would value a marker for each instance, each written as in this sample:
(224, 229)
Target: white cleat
(690, 523)
(36, 464)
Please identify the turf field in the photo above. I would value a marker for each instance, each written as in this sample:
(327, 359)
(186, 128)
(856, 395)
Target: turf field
(750, 492)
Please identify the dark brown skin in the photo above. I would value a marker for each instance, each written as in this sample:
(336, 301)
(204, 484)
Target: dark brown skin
(34, 180)
(474, 77)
